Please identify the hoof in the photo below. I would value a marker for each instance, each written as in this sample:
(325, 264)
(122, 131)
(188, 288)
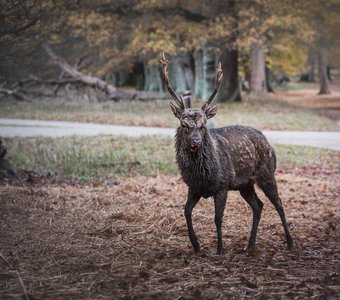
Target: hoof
(219, 251)
(197, 248)
(290, 244)
(290, 247)
(250, 247)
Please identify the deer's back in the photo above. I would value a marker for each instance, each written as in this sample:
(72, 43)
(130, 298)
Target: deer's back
(251, 156)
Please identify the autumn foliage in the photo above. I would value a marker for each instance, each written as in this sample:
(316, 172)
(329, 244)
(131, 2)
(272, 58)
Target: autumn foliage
(121, 40)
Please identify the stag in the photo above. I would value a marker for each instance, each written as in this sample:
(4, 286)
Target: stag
(213, 161)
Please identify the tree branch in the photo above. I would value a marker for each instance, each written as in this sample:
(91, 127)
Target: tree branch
(109, 89)
(19, 29)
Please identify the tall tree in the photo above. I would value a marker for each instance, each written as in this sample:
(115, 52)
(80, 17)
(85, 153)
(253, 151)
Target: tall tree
(323, 78)
(254, 16)
(323, 19)
(319, 44)
(230, 88)
(258, 82)
(23, 26)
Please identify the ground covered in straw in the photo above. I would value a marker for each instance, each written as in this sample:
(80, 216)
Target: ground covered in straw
(128, 239)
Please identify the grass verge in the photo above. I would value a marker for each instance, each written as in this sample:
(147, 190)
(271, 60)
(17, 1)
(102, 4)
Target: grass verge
(270, 112)
(107, 157)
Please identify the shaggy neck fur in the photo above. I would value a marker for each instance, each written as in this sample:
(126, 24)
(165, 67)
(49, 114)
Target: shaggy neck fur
(201, 170)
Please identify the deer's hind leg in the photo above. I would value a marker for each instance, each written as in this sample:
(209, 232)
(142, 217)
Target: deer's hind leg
(248, 193)
(269, 188)
(220, 202)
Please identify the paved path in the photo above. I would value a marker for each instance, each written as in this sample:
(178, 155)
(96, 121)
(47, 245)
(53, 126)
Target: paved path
(29, 128)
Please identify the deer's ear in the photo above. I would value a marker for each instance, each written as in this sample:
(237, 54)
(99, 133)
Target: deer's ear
(211, 110)
(176, 110)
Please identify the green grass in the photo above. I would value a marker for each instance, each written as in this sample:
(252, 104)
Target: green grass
(91, 159)
(99, 158)
(269, 112)
(290, 157)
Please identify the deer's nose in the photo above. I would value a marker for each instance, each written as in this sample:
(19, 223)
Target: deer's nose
(196, 141)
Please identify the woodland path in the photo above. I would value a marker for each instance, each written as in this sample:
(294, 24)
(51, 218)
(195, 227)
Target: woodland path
(33, 128)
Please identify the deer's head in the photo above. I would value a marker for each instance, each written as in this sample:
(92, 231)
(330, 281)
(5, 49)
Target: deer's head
(192, 120)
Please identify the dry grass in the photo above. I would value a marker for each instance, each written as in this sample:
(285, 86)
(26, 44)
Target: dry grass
(129, 241)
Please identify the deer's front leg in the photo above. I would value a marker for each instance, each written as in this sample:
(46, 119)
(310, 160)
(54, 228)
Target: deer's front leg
(220, 200)
(191, 202)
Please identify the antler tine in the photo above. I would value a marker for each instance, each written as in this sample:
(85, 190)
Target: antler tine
(219, 76)
(165, 63)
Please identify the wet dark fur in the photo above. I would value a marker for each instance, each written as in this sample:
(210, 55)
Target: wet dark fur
(228, 158)
(231, 157)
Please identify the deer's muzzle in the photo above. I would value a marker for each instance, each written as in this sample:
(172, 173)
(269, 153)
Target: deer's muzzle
(195, 144)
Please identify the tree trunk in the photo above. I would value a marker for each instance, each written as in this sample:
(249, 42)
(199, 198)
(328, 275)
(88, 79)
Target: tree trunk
(245, 62)
(323, 79)
(209, 72)
(329, 75)
(229, 90)
(188, 68)
(122, 77)
(311, 65)
(153, 79)
(230, 86)
(198, 62)
(269, 78)
(258, 74)
(177, 74)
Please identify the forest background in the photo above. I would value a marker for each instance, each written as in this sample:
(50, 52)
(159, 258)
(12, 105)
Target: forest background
(261, 43)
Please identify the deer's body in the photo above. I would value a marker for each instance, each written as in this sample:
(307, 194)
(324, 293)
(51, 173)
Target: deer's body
(230, 158)
(213, 161)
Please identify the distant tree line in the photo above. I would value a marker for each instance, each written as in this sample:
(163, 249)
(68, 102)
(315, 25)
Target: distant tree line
(120, 41)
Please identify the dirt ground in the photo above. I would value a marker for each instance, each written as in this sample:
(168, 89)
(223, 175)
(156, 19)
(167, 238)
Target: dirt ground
(307, 97)
(128, 240)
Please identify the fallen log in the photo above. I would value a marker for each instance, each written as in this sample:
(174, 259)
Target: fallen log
(15, 94)
(77, 66)
(21, 94)
(38, 80)
(109, 89)
(150, 95)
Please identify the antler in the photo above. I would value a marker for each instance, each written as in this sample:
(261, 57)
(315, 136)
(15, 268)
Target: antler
(219, 76)
(179, 101)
